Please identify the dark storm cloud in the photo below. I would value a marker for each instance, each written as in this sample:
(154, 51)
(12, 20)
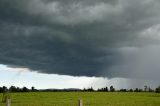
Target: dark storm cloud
(80, 37)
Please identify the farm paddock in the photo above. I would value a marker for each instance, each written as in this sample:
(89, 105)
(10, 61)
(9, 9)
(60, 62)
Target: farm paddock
(88, 98)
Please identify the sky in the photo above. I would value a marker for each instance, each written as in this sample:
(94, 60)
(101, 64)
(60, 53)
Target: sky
(80, 43)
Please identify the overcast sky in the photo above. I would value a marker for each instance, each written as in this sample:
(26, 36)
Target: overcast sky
(81, 39)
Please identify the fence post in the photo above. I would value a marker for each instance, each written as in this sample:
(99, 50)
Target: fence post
(8, 102)
(80, 103)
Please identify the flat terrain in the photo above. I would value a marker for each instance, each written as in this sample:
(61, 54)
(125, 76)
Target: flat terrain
(89, 99)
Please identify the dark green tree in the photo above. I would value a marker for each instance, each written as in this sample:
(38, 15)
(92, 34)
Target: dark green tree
(13, 89)
(25, 89)
(1, 89)
(157, 89)
(112, 89)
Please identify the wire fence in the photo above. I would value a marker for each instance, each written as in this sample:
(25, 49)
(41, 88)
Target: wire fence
(8, 102)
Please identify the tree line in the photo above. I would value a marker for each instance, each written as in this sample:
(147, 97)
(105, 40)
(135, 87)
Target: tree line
(16, 89)
(112, 89)
(104, 89)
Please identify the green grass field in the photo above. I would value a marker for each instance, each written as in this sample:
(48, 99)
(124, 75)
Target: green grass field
(89, 99)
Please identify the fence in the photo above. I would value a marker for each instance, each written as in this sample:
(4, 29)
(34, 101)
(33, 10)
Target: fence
(8, 102)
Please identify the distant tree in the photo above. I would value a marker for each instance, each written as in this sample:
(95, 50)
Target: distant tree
(33, 88)
(106, 89)
(157, 89)
(4, 88)
(150, 90)
(103, 89)
(19, 89)
(145, 88)
(90, 89)
(140, 90)
(13, 89)
(136, 90)
(130, 90)
(99, 90)
(123, 90)
(84, 89)
(25, 89)
(112, 89)
(1, 89)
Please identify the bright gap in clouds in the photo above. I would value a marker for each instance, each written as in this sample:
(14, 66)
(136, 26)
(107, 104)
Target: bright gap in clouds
(24, 77)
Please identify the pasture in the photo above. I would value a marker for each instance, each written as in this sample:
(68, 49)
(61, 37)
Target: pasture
(89, 99)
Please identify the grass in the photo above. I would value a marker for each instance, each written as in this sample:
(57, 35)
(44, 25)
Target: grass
(89, 99)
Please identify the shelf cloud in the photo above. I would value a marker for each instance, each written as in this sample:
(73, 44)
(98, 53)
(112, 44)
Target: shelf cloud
(103, 38)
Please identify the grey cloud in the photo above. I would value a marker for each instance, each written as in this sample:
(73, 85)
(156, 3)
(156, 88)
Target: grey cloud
(80, 38)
